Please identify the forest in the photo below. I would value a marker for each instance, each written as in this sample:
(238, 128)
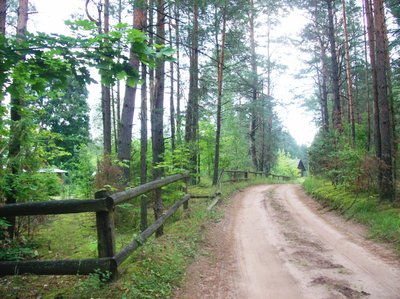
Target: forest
(183, 87)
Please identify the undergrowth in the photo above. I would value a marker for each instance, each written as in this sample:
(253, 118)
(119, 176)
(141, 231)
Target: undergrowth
(382, 219)
(153, 271)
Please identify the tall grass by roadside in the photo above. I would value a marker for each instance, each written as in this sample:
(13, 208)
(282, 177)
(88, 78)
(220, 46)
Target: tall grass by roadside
(382, 219)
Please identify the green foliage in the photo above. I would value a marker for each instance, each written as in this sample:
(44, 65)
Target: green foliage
(333, 157)
(81, 172)
(285, 165)
(66, 116)
(382, 220)
(92, 283)
(32, 186)
(15, 250)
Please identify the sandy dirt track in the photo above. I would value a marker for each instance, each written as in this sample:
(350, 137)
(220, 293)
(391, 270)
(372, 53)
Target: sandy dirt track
(275, 242)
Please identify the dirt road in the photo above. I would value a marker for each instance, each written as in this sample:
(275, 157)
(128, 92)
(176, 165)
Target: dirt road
(275, 242)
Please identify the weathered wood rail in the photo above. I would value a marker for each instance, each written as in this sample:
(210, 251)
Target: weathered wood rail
(103, 205)
(238, 175)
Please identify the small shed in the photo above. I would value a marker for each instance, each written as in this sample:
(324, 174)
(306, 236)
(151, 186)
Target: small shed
(60, 173)
(301, 168)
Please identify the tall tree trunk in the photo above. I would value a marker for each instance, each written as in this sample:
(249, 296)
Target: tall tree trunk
(143, 148)
(151, 41)
(117, 98)
(17, 104)
(192, 114)
(171, 97)
(337, 112)
(106, 95)
(324, 89)
(178, 76)
(387, 171)
(128, 108)
(114, 119)
(371, 42)
(157, 114)
(220, 70)
(253, 114)
(367, 79)
(348, 74)
(143, 138)
(3, 16)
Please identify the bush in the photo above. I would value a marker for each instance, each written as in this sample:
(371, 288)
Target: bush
(285, 165)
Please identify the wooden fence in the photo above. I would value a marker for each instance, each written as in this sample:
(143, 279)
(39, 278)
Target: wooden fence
(238, 175)
(103, 205)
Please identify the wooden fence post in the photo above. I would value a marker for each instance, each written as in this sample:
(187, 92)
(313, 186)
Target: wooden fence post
(186, 190)
(106, 233)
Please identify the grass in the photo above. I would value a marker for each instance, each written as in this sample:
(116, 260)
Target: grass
(153, 271)
(381, 218)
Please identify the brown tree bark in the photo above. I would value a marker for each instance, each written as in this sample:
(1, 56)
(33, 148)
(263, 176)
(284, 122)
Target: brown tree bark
(171, 96)
(178, 76)
(3, 16)
(128, 107)
(220, 77)
(387, 188)
(324, 89)
(337, 111)
(192, 113)
(106, 94)
(253, 114)
(143, 139)
(17, 104)
(348, 74)
(143, 148)
(367, 74)
(371, 43)
(157, 114)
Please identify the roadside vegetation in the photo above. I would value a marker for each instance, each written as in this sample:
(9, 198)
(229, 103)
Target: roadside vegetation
(381, 217)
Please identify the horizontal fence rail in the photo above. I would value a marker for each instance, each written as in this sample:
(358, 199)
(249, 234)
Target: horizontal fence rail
(56, 207)
(104, 207)
(57, 267)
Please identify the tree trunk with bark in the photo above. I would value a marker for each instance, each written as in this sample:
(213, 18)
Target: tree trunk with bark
(143, 139)
(106, 94)
(192, 113)
(324, 89)
(387, 188)
(171, 96)
(348, 74)
(371, 43)
(3, 16)
(367, 74)
(220, 77)
(178, 76)
(143, 148)
(157, 114)
(128, 108)
(253, 109)
(17, 104)
(337, 111)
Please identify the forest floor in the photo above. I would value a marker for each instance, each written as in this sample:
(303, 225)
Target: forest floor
(276, 242)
